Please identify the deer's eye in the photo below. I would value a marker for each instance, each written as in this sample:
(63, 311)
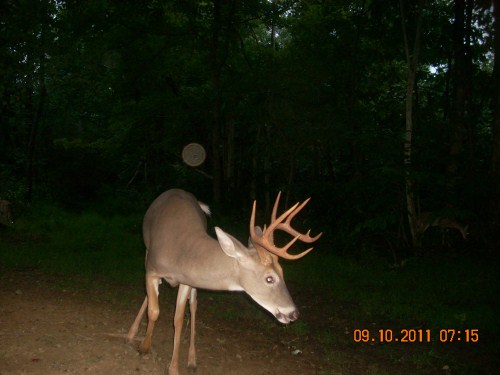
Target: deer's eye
(270, 280)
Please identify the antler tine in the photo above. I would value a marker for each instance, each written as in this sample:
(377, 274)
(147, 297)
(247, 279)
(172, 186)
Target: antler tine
(284, 254)
(266, 241)
(275, 207)
(287, 227)
(263, 255)
(274, 222)
(252, 220)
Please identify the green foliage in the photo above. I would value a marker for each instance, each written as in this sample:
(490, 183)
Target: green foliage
(461, 292)
(309, 97)
(89, 244)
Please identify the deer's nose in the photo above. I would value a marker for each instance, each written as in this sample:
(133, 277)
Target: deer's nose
(294, 315)
(286, 318)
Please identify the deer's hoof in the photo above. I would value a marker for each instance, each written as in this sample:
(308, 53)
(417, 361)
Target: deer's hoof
(145, 347)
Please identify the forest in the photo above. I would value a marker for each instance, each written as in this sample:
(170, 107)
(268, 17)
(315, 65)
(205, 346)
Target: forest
(378, 110)
(386, 113)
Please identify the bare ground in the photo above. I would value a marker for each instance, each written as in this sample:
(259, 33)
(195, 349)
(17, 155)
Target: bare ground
(49, 328)
(49, 325)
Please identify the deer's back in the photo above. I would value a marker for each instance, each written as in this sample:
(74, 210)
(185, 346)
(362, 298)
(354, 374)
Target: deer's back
(174, 217)
(176, 239)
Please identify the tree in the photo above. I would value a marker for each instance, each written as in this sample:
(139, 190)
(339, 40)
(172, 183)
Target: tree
(412, 63)
(495, 162)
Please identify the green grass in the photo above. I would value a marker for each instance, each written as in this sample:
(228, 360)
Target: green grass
(442, 292)
(88, 245)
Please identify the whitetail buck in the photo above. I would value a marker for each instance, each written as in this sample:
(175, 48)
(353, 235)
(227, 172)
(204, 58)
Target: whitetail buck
(179, 251)
(430, 219)
(6, 211)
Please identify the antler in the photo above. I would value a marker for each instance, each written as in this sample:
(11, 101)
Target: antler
(266, 241)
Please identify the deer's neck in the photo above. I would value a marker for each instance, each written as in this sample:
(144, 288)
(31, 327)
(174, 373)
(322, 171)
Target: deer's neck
(197, 261)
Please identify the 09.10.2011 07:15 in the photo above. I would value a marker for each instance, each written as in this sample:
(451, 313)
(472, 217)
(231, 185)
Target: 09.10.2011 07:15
(415, 335)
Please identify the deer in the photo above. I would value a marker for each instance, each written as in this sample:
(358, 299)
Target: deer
(6, 211)
(430, 219)
(181, 252)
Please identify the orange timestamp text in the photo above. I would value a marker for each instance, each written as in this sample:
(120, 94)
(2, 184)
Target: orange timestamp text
(415, 335)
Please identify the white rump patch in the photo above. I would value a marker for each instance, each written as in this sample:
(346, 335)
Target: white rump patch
(204, 207)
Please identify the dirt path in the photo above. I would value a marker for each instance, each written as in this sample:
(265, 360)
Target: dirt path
(46, 328)
(49, 325)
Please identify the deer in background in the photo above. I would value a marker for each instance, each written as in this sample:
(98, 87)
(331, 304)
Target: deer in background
(6, 211)
(431, 219)
(179, 251)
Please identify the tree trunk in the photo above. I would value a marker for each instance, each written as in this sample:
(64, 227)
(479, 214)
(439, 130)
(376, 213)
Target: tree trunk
(217, 110)
(255, 165)
(35, 118)
(229, 156)
(495, 162)
(412, 62)
(460, 103)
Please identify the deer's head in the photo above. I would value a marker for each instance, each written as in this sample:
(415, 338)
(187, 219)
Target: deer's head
(260, 273)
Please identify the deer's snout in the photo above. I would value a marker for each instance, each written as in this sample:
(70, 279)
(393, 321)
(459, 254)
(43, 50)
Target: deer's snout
(287, 318)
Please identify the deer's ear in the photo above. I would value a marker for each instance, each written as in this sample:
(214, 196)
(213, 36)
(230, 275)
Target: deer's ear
(230, 245)
(258, 232)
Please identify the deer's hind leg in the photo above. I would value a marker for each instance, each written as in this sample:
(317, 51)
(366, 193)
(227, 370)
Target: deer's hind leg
(135, 326)
(180, 308)
(152, 284)
(193, 303)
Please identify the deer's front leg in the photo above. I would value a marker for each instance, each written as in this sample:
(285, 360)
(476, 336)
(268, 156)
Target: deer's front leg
(152, 284)
(180, 307)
